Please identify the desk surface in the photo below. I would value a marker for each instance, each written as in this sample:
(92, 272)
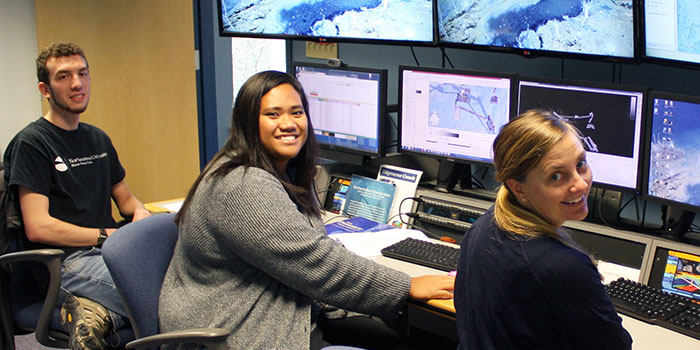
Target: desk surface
(644, 335)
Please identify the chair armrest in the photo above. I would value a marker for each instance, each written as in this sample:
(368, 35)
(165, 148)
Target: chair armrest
(52, 259)
(43, 255)
(212, 338)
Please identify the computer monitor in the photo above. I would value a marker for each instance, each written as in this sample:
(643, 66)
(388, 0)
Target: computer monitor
(347, 106)
(609, 116)
(673, 150)
(670, 32)
(373, 21)
(675, 269)
(450, 114)
(598, 29)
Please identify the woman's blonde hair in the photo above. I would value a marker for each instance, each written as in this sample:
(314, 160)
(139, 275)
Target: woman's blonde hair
(517, 150)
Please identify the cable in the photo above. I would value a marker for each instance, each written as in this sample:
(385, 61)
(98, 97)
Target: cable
(413, 52)
(445, 57)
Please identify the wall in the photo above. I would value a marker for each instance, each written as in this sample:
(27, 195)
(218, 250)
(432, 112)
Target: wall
(19, 96)
(142, 63)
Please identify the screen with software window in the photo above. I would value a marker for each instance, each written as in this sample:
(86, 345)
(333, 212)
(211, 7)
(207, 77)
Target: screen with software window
(670, 29)
(347, 106)
(452, 114)
(609, 117)
(573, 27)
(673, 142)
(676, 271)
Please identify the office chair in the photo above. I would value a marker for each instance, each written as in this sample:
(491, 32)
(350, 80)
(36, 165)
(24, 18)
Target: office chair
(30, 310)
(137, 256)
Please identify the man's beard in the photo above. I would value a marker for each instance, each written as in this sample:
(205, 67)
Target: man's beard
(65, 107)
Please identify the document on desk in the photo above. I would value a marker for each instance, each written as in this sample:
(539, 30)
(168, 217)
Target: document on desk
(370, 244)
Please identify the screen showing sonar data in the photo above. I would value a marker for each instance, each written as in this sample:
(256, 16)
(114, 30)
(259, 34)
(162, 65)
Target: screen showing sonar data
(608, 116)
(590, 27)
(682, 274)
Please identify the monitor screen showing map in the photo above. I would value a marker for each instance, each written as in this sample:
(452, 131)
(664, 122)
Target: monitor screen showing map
(452, 114)
(673, 142)
(670, 29)
(570, 27)
(609, 116)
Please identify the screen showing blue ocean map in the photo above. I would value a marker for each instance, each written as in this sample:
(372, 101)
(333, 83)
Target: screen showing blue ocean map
(396, 20)
(672, 28)
(598, 27)
(675, 151)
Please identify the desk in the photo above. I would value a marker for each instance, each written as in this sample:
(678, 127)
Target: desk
(438, 316)
(167, 206)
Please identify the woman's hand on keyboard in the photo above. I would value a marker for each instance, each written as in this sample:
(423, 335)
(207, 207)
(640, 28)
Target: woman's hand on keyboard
(432, 287)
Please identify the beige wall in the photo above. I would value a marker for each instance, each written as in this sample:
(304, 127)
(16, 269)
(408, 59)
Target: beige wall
(142, 63)
(19, 96)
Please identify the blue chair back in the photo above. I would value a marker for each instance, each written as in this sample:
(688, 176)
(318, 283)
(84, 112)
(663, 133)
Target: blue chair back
(137, 256)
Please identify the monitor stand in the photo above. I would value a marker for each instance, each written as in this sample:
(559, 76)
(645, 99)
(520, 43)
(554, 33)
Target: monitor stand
(448, 174)
(677, 221)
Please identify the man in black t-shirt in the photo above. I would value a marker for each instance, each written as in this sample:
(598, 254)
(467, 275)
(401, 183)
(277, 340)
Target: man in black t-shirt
(64, 174)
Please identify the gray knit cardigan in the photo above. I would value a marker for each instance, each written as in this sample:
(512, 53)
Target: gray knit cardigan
(247, 260)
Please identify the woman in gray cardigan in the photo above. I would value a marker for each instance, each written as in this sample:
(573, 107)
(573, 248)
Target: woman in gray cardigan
(253, 253)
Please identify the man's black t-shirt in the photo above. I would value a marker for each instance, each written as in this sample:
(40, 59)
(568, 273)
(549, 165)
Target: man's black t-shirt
(75, 169)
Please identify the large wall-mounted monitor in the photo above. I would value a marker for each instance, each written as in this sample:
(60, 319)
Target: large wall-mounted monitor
(599, 29)
(347, 106)
(673, 149)
(671, 31)
(609, 116)
(452, 114)
(374, 21)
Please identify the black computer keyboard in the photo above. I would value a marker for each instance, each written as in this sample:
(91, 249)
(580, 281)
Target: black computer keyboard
(434, 255)
(652, 305)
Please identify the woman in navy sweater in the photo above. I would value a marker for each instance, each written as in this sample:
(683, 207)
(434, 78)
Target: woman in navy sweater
(522, 283)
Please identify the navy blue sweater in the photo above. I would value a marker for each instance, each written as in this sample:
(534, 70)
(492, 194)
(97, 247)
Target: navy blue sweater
(518, 293)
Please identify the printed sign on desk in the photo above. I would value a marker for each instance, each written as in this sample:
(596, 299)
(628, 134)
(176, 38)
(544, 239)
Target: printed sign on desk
(369, 198)
(406, 181)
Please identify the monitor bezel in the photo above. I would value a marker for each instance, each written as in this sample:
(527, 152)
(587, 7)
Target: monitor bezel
(606, 86)
(382, 112)
(534, 53)
(330, 39)
(647, 149)
(438, 70)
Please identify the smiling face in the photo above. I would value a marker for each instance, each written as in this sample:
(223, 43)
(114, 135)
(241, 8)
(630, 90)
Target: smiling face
(283, 124)
(68, 90)
(557, 188)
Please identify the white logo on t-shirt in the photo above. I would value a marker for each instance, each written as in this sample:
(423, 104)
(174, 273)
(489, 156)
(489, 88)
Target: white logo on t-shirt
(60, 164)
